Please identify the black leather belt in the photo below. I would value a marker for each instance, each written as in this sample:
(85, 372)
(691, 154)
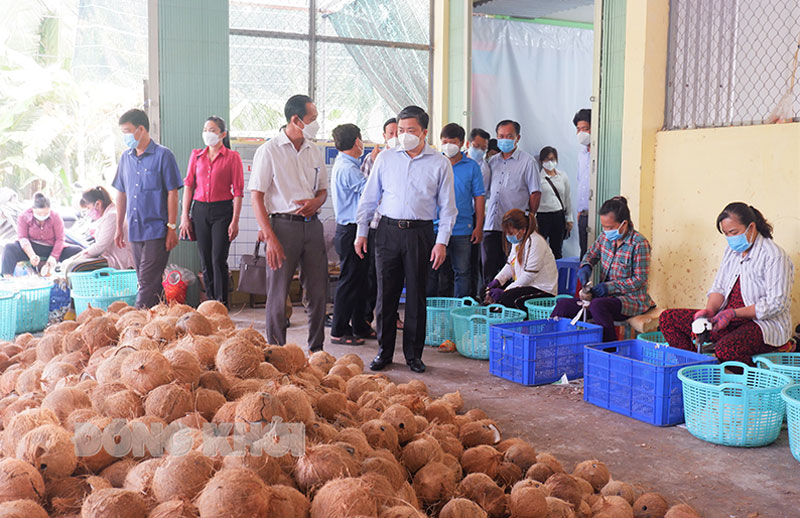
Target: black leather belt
(406, 223)
(293, 217)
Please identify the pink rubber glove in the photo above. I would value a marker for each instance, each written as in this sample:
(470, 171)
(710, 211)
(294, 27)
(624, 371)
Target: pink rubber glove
(722, 319)
(703, 313)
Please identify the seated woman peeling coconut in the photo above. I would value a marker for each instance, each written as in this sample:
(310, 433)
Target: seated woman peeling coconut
(750, 300)
(624, 257)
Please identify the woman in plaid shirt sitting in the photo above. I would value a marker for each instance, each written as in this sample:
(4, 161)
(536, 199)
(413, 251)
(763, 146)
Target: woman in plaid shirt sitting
(624, 257)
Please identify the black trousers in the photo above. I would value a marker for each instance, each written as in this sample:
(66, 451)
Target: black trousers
(494, 255)
(13, 253)
(211, 222)
(515, 297)
(402, 256)
(351, 290)
(552, 226)
(372, 279)
(583, 231)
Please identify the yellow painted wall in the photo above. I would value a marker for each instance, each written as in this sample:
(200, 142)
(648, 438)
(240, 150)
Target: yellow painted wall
(697, 172)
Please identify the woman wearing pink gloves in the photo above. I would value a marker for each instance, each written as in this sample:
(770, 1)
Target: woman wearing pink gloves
(750, 300)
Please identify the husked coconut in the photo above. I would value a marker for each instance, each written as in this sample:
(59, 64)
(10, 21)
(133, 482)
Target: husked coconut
(381, 434)
(482, 490)
(288, 502)
(546, 458)
(238, 358)
(297, 405)
(202, 347)
(403, 421)
(481, 459)
(20, 481)
(528, 502)
(358, 385)
(212, 307)
(112, 502)
(479, 432)
(439, 412)
(344, 498)
(168, 402)
(557, 508)
(182, 476)
(420, 451)
(64, 401)
(462, 508)
(216, 381)
(564, 487)
(434, 483)
(160, 330)
(390, 469)
(332, 404)
(143, 371)
(539, 472)
(186, 368)
(234, 493)
(174, 509)
(116, 472)
(22, 423)
(194, 324)
(618, 488)
(681, 511)
(140, 478)
(259, 408)
(508, 474)
(264, 465)
(50, 450)
(322, 360)
(99, 332)
(612, 507)
(123, 404)
(320, 464)
(288, 358)
(22, 509)
(650, 505)
(402, 511)
(207, 402)
(594, 472)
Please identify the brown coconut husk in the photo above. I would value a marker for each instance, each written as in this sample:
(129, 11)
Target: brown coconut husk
(241, 388)
(214, 380)
(168, 402)
(207, 402)
(403, 421)
(482, 490)
(140, 478)
(508, 474)
(175, 509)
(479, 432)
(612, 507)
(528, 502)
(381, 488)
(388, 468)
(434, 484)
(381, 434)
(618, 488)
(332, 404)
(102, 391)
(57, 374)
(124, 404)
(320, 464)
(322, 360)
(566, 488)
(96, 462)
(481, 459)
(226, 413)
(357, 439)
(521, 454)
(99, 332)
(264, 465)
(212, 307)
(267, 371)
(116, 472)
(550, 460)
(177, 310)
(681, 511)
(586, 487)
(454, 465)
(22, 423)
(414, 402)
(526, 482)
(288, 502)
(462, 508)
(288, 359)
(22, 509)
(186, 368)
(260, 407)
(234, 493)
(203, 348)
(557, 508)
(50, 450)
(422, 423)
(194, 324)
(160, 330)
(358, 385)
(594, 472)
(351, 359)
(143, 371)
(64, 401)
(89, 314)
(112, 502)
(193, 420)
(439, 412)
(65, 495)
(238, 358)
(49, 346)
(341, 371)
(181, 477)
(221, 323)
(344, 498)
(22, 403)
(402, 511)
(117, 306)
(420, 451)
(20, 481)
(30, 380)
(8, 380)
(539, 472)
(296, 402)
(650, 505)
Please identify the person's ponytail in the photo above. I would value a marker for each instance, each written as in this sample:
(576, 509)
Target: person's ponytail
(746, 214)
(762, 225)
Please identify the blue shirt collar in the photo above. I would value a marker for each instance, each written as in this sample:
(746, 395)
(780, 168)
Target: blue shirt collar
(151, 148)
(345, 156)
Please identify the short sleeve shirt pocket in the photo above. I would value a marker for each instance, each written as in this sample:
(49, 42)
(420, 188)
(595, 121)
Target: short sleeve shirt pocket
(151, 180)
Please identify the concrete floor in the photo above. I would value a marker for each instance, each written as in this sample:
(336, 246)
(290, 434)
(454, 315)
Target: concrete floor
(718, 481)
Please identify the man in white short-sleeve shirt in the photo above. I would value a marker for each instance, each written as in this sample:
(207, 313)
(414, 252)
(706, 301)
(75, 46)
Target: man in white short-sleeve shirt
(288, 186)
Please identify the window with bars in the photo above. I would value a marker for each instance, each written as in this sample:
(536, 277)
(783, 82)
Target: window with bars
(360, 60)
(732, 63)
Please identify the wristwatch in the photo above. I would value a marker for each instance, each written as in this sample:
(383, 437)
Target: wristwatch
(172, 226)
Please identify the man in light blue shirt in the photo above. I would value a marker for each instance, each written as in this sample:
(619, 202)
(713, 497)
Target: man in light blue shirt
(583, 132)
(348, 326)
(514, 185)
(407, 186)
(454, 278)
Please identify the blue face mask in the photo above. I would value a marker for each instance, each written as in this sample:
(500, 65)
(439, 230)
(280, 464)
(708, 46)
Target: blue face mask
(130, 140)
(514, 240)
(739, 243)
(476, 154)
(613, 234)
(506, 144)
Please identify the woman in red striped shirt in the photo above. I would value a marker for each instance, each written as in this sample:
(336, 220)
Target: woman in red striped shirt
(213, 191)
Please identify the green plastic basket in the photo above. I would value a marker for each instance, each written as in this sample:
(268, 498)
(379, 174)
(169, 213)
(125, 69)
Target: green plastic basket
(33, 302)
(471, 327)
(541, 308)
(439, 324)
(8, 310)
(99, 288)
(654, 337)
(733, 409)
(784, 363)
(791, 396)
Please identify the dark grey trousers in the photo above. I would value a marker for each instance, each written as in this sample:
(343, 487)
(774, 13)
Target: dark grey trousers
(303, 243)
(149, 258)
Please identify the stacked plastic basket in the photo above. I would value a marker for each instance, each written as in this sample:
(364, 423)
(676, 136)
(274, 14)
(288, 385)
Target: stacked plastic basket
(471, 327)
(541, 308)
(32, 302)
(8, 310)
(439, 323)
(100, 288)
(787, 364)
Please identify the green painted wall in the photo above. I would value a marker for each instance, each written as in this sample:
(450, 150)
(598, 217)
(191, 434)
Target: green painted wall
(459, 69)
(612, 89)
(193, 74)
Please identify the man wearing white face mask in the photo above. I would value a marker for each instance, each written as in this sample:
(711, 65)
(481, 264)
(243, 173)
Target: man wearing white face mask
(406, 186)
(583, 129)
(289, 184)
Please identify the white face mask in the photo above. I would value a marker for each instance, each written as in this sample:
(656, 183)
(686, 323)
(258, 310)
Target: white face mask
(408, 141)
(550, 165)
(210, 138)
(41, 217)
(584, 138)
(450, 150)
(310, 130)
(392, 143)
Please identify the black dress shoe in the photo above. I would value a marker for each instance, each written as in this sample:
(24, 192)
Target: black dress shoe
(416, 365)
(378, 364)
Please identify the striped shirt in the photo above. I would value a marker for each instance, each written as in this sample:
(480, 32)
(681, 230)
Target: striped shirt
(766, 276)
(624, 266)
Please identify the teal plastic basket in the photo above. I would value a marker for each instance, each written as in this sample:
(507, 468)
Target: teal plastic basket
(471, 327)
(541, 308)
(101, 287)
(655, 337)
(33, 307)
(439, 324)
(784, 363)
(791, 396)
(8, 310)
(743, 410)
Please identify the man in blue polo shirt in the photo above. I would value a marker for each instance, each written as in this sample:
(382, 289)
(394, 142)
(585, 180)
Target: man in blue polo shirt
(147, 182)
(454, 278)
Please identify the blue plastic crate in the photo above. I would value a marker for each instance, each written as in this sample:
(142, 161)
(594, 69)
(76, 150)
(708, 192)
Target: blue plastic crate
(568, 275)
(638, 379)
(540, 351)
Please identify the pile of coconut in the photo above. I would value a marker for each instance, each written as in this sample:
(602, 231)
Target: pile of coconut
(372, 448)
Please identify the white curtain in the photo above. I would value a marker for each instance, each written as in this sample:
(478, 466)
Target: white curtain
(538, 75)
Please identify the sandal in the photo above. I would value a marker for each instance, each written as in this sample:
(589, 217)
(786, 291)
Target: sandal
(369, 335)
(347, 340)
